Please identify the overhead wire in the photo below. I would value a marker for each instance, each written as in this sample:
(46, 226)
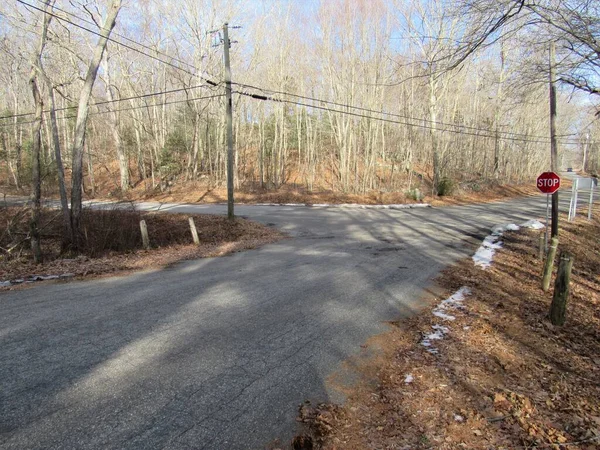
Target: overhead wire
(108, 38)
(104, 102)
(114, 33)
(171, 102)
(459, 128)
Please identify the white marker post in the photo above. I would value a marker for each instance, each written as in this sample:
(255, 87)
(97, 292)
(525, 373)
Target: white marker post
(576, 194)
(591, 198)
(571, 202)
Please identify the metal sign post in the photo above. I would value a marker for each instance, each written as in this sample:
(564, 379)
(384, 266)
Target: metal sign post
(546, 229)
(549, 183)
(573, 203)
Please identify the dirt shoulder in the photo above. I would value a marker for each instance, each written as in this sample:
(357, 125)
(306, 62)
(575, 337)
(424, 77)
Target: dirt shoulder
(115, 245)
(501, 377)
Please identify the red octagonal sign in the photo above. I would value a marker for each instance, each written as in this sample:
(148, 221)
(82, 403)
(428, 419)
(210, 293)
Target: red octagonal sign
(548, 182)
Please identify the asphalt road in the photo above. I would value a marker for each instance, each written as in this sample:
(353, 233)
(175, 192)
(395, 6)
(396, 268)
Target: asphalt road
(218, 353)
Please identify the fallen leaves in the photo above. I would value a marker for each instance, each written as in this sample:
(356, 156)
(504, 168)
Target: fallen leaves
(170, 237)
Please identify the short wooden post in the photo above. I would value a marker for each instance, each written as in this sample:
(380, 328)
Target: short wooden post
(547, 275)
(542, 246)
(194, 231)
(145, 238)
(558, 308)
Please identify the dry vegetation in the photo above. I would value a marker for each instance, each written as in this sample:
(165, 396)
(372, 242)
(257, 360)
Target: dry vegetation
(113, 241)
(465, 193)
(504, 378)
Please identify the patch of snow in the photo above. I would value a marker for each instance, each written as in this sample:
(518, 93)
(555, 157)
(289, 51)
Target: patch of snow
(483, 257)
(350, 205)
(35, 278)
(409, 378)
(498, 230)
(459, 418)
(533, 224)
(455, 301)
(442, 315)
(439, 332)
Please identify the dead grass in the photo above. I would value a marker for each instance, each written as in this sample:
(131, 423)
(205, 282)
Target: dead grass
(504, 378)
(199, 193)
(113, 241)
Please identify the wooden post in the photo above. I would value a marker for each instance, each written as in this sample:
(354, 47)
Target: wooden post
(542, 246)
(558, 308)
(145, 238)
(194, 231)
(549, 264)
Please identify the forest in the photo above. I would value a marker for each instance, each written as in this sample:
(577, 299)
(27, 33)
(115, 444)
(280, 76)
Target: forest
(351, 96)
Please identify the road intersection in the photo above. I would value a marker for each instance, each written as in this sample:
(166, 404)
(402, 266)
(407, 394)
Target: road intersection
(218, 353)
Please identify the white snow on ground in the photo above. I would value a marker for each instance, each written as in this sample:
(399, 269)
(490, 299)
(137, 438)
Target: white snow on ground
(533, 224)
(439, 331)
(351, 205)
(34, 279)
(483, 257)
(455, 301)
(485, 253)
(409, 378)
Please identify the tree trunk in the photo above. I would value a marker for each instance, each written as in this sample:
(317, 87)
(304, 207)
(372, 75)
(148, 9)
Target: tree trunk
(81, 121)
(36, 188)
(114, 119)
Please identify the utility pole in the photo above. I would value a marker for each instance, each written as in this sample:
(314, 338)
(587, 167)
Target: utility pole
(553, 144)
(229, 113)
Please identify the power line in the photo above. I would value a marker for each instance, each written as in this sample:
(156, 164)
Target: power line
(113, 33)
(152, 94)
(125, 109)
(266, 98)
(508, 135)
(108, 38)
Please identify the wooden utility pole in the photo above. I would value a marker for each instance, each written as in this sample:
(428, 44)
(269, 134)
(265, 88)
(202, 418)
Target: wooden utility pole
(553, 144)
(229, 113)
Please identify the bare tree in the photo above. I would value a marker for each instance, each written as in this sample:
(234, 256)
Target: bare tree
(573, 24)
(81, 121)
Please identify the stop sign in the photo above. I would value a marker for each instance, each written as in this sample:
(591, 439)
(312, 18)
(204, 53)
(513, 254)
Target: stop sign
(548, 182)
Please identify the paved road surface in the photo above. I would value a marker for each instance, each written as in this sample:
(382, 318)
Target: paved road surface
(217, 353)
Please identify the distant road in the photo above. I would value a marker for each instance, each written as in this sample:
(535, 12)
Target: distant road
(218, 353)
